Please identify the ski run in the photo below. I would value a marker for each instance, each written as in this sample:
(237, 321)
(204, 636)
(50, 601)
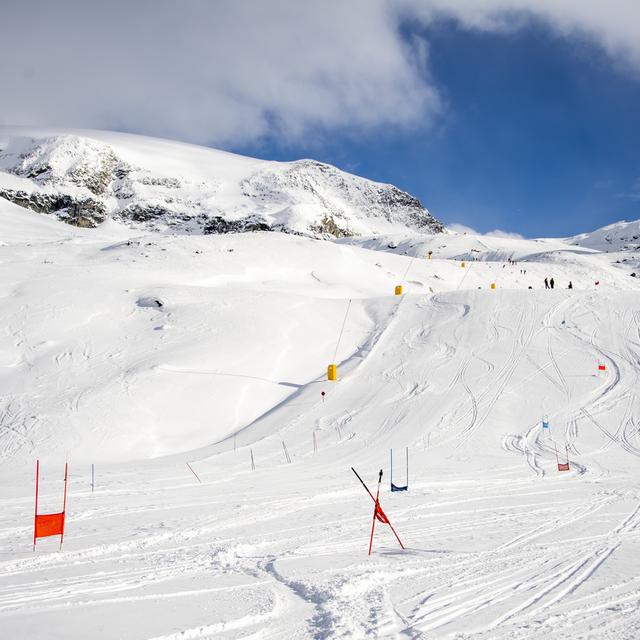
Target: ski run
(188, 374)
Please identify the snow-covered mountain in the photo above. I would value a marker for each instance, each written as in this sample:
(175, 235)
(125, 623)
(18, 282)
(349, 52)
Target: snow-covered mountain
(619, 236)
(84, 177)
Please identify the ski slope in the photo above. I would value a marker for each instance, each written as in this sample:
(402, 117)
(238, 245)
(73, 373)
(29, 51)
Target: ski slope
(499, 544)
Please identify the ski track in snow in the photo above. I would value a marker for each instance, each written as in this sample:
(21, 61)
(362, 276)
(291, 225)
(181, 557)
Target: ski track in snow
(499, 544)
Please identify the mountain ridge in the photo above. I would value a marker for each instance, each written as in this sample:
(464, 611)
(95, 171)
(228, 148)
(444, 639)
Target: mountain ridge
(85, 177)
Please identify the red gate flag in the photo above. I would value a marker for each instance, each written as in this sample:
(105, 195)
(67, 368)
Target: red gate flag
(378, 513)
(563, 466)
(49, 524)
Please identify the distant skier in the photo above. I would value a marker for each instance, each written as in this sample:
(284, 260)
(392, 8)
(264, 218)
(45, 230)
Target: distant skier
(546, 283)
(551, 283)
(570, 285)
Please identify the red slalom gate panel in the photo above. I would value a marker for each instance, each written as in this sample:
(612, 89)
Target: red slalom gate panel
(49, 524)
(602, 367)
(563, 466)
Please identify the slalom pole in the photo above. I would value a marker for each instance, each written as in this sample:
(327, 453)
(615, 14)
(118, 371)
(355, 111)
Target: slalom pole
(363, 484)
(391, 470)
(556, 450)
(378, 505)
(194, 473)
(375, 510)
(396, 535)
(407, 468)
(64, 502)
(93, 478)
(35, 521)
(287, 457)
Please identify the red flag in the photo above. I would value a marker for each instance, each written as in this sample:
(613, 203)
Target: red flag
(380, 514)
(49, 524)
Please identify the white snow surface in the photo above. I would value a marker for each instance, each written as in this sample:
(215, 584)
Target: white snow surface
(140, 353)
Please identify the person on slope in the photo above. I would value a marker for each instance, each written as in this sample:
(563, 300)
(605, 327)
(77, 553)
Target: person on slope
(551, 283)
(546, 283)
(570, 285)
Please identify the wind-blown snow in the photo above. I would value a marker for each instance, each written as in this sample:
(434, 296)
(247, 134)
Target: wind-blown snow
(140, 352)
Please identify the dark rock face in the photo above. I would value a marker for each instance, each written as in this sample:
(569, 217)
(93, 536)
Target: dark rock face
(328, 227)
(143, 213)
(217, 224)
(78, 212)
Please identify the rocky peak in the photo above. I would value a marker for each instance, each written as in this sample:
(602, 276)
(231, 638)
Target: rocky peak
(83, 180)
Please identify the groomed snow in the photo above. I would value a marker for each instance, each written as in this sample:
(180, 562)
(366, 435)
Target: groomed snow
(233, 362)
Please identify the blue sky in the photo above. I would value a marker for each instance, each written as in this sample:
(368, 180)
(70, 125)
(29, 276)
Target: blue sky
(539, 135)
(520, 115)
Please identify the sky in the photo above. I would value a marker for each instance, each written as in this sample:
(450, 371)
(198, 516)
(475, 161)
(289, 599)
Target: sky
(516, 115)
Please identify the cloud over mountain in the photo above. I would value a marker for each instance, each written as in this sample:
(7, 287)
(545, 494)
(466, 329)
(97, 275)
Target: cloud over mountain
(223, 73)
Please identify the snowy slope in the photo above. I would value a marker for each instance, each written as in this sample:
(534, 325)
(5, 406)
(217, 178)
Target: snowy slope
(83, 177)
(499, 544)
(620, 236)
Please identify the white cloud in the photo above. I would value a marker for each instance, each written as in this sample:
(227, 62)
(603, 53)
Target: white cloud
(211, 71)
(496, 233)
(234, 72)
(463, 228)
(614, 25)
(499, 233)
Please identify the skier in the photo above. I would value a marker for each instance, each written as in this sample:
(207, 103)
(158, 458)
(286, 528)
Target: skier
(546, 283)
(570, 285)
(551, 283)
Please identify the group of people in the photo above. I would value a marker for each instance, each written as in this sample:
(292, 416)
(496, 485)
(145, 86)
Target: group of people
(549, 283)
